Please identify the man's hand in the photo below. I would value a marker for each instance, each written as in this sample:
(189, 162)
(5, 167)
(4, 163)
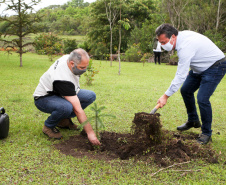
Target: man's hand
(93, 139)
(163, 100)
(81, 116)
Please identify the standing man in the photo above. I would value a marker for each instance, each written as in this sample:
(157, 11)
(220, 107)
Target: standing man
(208, 66)
(157, 50)
(58, 93)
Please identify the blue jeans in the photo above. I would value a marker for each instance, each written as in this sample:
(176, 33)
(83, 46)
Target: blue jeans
(206, 82)
(60, 108)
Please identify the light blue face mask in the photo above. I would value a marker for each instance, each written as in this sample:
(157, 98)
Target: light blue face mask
(77, 71)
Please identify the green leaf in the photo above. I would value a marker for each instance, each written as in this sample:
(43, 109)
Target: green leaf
(95, 106)
(101, 125)
(100, 109)
(80, 127)
(93, 109)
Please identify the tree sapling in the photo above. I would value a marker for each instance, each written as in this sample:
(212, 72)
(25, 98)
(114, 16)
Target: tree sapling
(97, 117)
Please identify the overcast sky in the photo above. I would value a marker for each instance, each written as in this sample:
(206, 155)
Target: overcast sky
(42, 4)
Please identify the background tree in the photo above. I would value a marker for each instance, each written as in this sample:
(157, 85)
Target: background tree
(120, 38)
(112, 14)
(50, 44)
(143, 16)
(68, 19)
(204, 16)
(135, 11)
(21, 24)
(175, 8)
(126, 25)
(78, 3)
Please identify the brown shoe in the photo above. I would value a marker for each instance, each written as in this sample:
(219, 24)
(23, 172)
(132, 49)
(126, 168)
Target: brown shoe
(52, 132)
(68, 124)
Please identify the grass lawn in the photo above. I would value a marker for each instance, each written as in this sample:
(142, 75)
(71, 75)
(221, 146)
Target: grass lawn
(27, 156)
(79, 38)
(30, 38)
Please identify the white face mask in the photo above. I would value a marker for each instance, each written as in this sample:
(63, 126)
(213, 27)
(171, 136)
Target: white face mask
(168, 46)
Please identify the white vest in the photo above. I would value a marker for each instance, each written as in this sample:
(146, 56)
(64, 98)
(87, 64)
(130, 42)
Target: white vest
(58, 71)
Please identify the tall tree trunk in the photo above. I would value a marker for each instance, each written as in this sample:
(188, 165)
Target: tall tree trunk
(111, 16)
(20, 35)
(218, 15)
(111, 48)
(170, 12)
(119, 45)
(21, 64)
(111, 35)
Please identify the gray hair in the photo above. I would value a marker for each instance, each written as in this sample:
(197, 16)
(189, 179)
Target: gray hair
(166, 29)
(77, 55)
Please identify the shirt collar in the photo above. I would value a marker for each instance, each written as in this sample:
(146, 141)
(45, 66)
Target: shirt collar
(178, 40)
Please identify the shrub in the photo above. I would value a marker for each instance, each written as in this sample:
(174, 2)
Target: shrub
(48, 44)
(145, 57)
(90, 73)
(173, 59)
(84, 46)
(217, 38)
(123, 57)
(69, 45)
(100, 51)
(4, 26)
(133, 54)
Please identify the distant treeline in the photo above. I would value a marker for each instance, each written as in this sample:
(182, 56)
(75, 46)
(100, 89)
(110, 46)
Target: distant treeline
(95, 20)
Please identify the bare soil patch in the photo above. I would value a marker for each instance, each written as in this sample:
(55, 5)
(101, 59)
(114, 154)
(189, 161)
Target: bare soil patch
(147, 141)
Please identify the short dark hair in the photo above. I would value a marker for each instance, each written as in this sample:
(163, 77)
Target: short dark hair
(166, 29)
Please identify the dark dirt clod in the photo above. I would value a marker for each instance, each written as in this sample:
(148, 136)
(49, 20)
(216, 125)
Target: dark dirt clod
(147, 141)
(147, 127)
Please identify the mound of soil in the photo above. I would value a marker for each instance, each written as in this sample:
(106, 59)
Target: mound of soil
(147, 141)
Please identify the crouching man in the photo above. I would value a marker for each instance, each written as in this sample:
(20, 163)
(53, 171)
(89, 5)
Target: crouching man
(58, 93)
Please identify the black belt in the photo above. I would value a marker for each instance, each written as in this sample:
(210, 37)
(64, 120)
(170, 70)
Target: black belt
(37, 97)
(219, 61)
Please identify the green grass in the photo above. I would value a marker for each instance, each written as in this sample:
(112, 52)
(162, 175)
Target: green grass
(27, 156)
(79, 38)
(30, 38)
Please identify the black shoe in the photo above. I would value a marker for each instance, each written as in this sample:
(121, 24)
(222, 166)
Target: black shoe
(188, 125)
(204, 139)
